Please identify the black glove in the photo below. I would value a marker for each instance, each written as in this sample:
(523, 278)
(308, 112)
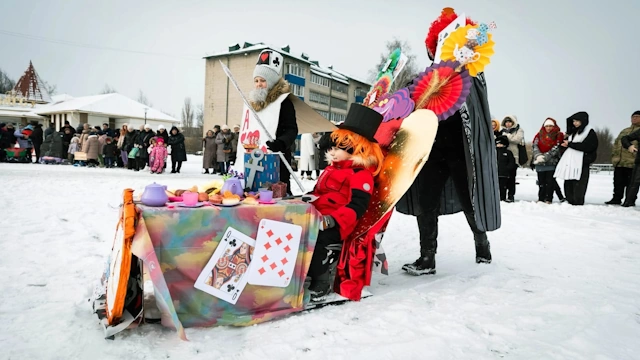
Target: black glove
(328, 222)
(276, 145)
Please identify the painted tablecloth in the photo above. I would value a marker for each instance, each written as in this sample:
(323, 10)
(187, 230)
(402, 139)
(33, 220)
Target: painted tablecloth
(176, 244)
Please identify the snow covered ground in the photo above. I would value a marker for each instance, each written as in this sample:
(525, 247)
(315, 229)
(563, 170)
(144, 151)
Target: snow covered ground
(563, 284)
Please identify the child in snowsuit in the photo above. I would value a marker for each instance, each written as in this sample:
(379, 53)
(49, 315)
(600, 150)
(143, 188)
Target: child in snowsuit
(343, 191)
(108, 152)
(506, 165)
(158, 156)
(73, 147)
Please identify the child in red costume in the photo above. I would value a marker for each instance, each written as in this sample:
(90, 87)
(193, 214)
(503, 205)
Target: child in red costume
(343, 191)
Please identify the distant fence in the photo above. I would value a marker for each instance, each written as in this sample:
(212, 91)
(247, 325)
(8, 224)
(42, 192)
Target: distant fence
(596, 168)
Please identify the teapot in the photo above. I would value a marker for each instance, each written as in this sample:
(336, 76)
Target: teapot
(234, 185)
(154, 195)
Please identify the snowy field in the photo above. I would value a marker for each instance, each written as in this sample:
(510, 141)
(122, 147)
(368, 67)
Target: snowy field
(563, 284)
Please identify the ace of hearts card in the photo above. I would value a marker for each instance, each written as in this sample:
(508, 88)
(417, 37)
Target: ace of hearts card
(225, 275)
(276, 252)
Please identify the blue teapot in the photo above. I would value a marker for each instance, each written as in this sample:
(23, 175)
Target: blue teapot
(154, 195)
(234, 185)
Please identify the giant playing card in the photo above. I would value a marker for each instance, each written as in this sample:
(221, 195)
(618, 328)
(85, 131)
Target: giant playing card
(275, 254)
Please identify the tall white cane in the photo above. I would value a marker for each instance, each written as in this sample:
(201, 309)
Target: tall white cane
(246, 102)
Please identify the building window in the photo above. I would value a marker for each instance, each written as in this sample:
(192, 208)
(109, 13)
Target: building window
(339, 87)
(337, 118)
(317, 79)
(319, 98)
(339, 103)
(296, 69)
(361, 92)
(324, 114)
(297, 90)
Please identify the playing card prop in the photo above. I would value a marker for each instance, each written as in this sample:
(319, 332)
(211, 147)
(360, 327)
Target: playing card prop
(459, 22)
(276, 251)
(225, 275)
(441, 88)
(471, 46)
(260, 169)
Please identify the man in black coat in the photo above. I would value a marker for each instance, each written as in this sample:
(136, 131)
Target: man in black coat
(460, 175)
(37, 138)
(634, 183)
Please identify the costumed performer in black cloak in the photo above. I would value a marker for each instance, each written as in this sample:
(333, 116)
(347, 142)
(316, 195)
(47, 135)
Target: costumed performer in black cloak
(461, 173)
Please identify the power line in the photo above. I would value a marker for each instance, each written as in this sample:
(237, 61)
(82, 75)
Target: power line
(89, 46)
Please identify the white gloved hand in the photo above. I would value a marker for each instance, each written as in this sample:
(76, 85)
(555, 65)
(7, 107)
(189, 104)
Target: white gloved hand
(539, 159)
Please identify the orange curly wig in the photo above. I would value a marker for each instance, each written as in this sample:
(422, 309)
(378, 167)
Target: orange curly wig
(446, 17)
(367, 153)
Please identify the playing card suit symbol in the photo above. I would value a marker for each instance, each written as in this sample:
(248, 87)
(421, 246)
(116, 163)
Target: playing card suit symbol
(281, 273)
(233, 242)
(267, 246)
(286, 249)
(273, 266)
(269, 233)
(264, 57)
(276, 62)
(284, 261)
(278, 241)
(230, 288)
(289, 237)
(262, 270)
(265, 258)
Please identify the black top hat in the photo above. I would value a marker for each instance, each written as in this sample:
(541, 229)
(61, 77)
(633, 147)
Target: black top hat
(362, 121)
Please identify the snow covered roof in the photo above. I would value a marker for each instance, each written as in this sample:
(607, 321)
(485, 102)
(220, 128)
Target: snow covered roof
(60, 98)
(332, 74)
(113, 105)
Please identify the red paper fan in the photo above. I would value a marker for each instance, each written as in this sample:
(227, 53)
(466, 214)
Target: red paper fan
(441, 89)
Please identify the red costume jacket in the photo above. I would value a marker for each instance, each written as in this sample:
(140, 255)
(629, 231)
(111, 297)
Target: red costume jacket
(344, 191)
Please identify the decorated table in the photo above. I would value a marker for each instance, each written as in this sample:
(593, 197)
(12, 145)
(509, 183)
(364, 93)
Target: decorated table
(175, 245)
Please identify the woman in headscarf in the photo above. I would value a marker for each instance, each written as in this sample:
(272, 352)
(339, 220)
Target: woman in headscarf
(546, 154)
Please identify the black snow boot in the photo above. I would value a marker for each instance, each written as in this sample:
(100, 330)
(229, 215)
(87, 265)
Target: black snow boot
(614, 201)
(483, 248)
(322, 285)
(426, 263)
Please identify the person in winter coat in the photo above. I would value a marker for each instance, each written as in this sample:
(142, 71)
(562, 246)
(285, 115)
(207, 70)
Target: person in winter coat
(109, 152)
(506, 164)
(4, 142)
(580, 147)
(121, 145)
(92, 147)
(223, 151)
(50, 130)
(158, 156)
(511, 129)
(495, 123)
(234, 143)
(178, 150)
(128, 145)
(634, 183)
(73, 148)
(37, 137)
(343, 192)
(143, 142)
(24, 140)
(307, 155)
(461, 173)
(209, 156)
(623, 162)
(546, 154)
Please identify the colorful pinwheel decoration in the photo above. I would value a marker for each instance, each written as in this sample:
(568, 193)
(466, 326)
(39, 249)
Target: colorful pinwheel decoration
(471, 46)
(441, 88)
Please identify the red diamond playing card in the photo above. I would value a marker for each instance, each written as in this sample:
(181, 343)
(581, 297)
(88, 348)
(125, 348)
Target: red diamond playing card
(277, 246)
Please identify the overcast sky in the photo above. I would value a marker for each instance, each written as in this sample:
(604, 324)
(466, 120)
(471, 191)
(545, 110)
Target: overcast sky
(553, 57)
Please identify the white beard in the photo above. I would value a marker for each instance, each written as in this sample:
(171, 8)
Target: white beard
(258, 95)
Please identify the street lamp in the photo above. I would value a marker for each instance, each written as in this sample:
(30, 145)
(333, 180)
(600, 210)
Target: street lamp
(145, 115)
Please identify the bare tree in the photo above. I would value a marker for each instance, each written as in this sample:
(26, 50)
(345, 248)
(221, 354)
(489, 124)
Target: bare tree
(51, 89)
(187, 116)
(142, 99)
(108, 89)
(605, 145)
(200, 116)
(6, 83)
(410, 70)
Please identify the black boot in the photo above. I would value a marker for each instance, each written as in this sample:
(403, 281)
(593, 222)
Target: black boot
(614, 201)
(426, 263)
(483, 248)
(206, 171)
(322, 285)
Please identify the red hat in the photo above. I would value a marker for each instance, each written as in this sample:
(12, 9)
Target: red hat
(160, 139)
(446, 17)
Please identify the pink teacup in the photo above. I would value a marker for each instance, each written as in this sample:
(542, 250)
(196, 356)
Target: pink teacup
(189, 198)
